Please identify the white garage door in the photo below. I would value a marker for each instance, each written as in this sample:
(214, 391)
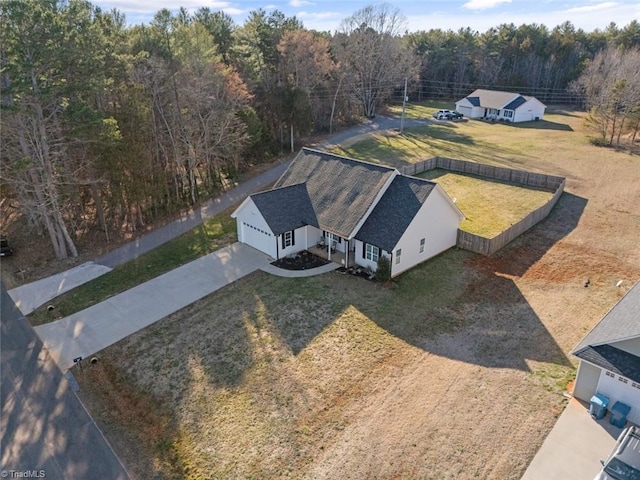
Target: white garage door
(619, 388)
(466, 111)
(258, 238)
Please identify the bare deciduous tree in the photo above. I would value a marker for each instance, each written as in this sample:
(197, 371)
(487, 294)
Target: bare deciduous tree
(373, 54)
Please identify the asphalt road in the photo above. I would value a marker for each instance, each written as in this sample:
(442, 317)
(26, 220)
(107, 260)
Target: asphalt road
(44, 429)
(192, 219)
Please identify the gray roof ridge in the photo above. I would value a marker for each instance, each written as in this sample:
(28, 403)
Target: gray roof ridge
(278, 188)
(342, 157)
(583, 342)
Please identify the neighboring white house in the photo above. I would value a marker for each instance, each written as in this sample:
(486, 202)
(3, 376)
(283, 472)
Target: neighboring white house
(359, 209)
(610, 356)
(495, 105)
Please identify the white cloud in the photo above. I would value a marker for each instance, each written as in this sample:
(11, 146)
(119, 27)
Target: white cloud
(483, 4)
(593, 8)
(299, 3)
(318, 15)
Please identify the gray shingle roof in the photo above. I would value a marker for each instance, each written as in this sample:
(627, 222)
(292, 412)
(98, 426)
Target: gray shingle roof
(620, 323)
(395, 210)
(475, 101)
(341, 189)
(286, 208)
(515, 103)
(493, 98)
(612, 359)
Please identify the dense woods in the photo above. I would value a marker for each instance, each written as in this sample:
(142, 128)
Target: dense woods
(107, 126)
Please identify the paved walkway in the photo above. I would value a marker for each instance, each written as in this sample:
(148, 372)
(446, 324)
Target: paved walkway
(574, 447)
(281, 272)
(89, 331)
(43, 426)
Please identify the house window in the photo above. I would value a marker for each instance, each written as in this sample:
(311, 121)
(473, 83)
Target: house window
(508, 114)
(422, 245)
(288, 239)
(398, 255)
(371, 252)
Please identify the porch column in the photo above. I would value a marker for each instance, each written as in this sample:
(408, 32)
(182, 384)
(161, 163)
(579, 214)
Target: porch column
(329, 243)
(346, 253)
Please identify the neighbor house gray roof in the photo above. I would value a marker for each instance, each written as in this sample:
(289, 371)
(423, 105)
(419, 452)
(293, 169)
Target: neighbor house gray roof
(394, 212)
(286, 208)
(341, 190)
(475, 101)
(622, 322)
(496, 99)
(612, 359)
(515, 103)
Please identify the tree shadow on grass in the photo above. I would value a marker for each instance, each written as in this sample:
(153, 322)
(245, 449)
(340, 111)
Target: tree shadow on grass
(541, 125)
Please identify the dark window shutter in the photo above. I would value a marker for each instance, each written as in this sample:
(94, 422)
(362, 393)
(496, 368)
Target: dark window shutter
(364, 250)
(293, 237)
(282, 237)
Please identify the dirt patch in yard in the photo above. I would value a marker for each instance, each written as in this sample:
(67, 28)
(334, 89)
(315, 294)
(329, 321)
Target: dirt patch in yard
(457, 372)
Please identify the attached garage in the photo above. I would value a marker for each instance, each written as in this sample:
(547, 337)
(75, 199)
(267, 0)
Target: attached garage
(622, 389)
(256, 237)
(610, 356)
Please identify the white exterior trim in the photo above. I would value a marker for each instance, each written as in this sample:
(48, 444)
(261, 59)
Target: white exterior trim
(437, 222)
(253, 229)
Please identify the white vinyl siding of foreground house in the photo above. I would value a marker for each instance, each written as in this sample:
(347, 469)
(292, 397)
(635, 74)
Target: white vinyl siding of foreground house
(437, 222)
(361, 255)
(593, 378)
(254, 230)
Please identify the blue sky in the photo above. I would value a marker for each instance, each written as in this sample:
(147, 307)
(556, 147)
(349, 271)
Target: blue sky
(421, 14)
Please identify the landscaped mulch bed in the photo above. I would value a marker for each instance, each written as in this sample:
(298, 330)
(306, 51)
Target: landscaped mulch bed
(300, 261)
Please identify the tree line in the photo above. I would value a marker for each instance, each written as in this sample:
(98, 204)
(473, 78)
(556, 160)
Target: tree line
(107, 126)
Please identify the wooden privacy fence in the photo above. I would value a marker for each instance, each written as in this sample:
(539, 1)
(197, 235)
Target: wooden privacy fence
(488, 246)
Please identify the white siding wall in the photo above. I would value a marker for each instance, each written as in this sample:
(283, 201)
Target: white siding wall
(300, 243)
(586, 381)
(630, 346)
(437, 222)
(363, 262)
(529, 111)
(251, 225)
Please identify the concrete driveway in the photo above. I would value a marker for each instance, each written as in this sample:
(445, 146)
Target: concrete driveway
(89, 331)
(574, 447)
(30, 296)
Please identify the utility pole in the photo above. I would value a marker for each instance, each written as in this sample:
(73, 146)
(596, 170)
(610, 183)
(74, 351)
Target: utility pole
(404, 106)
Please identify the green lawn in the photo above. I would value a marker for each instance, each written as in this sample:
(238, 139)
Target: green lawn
(212, 235)
(490, 207)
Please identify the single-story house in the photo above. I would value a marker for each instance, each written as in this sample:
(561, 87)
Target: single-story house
(495, 105)
(355, 211)
(610, 356)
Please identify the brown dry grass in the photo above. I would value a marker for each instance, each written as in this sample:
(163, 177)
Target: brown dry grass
(455, 372)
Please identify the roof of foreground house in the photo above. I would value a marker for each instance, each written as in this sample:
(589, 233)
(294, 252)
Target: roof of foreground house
(341, 190)
(394, 212)
(286, 208)
(622, 322)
